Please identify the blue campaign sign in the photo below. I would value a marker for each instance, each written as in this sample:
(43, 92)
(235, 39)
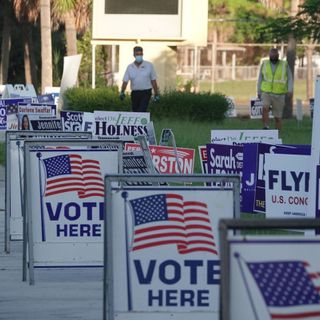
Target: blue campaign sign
(225, 159)
(3, 118)
(253, 180)
(71, 120)
(11, 109)
(46, 98)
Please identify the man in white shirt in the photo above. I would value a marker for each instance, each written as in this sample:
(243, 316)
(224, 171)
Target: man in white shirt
(143, 78)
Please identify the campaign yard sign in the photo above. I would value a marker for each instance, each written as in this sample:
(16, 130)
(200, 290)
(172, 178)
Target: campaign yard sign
(46, 99)
(66, 205)
(287, 185)
(269, 280)
(28, 112)
(3, 117)
(164, 158)
(46, 125)
(256, 106)
(203, 158)
(77, 121)
(244, 136)
(225, 159)
(253, 177)
(9, 119)
(111, 124)
(166, 251)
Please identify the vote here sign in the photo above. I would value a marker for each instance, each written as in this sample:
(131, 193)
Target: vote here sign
(66, 204)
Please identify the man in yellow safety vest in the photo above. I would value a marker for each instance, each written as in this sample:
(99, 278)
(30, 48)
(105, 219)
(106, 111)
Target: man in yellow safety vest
(274, 83)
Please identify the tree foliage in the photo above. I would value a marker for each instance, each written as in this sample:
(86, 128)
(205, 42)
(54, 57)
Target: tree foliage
(303, 26)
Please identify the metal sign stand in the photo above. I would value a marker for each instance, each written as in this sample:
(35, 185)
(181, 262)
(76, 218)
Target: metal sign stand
(167, 138)
(28, 244)
(108, 282)
(226, 225)
(19, 137)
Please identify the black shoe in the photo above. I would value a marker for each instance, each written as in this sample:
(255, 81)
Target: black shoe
(265, 128)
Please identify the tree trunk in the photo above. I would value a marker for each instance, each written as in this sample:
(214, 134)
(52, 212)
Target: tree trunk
(6, 42)
(26, 55)
(310, 79)
(46, 46)
(29, 59)
(71, 33)
(291, 58)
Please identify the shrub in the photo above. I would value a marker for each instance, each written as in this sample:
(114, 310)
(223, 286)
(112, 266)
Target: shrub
(173, 104)
(190, 106)
(86, 99)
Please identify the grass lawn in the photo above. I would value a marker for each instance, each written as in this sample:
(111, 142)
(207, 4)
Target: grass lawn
(192, 134)
(243, 91)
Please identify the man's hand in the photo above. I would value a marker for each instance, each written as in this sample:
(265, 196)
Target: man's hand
(122, 96)
(156, 98)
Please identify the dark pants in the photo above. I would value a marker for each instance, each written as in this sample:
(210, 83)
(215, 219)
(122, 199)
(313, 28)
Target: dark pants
(140, 100)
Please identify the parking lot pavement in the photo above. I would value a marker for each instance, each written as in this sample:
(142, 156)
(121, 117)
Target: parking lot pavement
(57, 294)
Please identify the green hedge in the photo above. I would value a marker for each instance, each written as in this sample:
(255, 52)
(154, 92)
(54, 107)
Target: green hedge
(173, 104)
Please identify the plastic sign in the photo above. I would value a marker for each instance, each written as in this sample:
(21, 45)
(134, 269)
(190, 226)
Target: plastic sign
(66, 203)
(268, 280)
(164, 158)
(244, 136)
(167, 251)
(287, 185)
(109, 124)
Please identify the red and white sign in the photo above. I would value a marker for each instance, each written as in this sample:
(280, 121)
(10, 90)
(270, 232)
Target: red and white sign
(164, 158)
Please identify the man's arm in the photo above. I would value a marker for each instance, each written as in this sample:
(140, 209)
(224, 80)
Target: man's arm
(124, 86)
(155, 87)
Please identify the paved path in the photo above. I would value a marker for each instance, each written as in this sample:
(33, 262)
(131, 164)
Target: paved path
(57, 294)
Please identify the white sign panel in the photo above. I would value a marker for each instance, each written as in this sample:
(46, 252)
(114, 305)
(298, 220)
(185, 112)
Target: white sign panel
(15, 174)
(287, 185)
(71, 65)
(109, 124)
(245, 136)
(67, 205)
(274, 278)
(167, 251)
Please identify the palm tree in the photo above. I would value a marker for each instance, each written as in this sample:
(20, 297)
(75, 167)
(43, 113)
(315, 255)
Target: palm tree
(75, 15)
(6, 40)
(46, 44)
(27, 13)
(63, 12)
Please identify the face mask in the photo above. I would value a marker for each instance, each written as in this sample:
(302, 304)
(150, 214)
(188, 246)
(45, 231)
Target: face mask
(274, 60)
(139, 59)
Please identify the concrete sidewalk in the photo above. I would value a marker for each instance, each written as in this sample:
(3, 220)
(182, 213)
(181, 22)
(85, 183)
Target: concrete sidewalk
(57, 294)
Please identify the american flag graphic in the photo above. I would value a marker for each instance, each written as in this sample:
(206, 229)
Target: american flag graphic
(71, 173)
(12, 109)
(289, 289)
(165, 219)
